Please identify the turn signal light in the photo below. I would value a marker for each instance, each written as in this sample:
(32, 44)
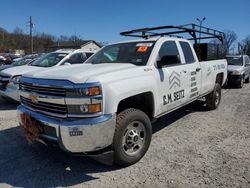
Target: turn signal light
(94, 107)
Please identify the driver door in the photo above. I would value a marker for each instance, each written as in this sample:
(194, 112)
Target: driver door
(173, 79)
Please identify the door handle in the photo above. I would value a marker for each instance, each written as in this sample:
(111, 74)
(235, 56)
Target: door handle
(184, 71)
(198, 69)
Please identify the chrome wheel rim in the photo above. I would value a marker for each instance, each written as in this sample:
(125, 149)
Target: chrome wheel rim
(134, 138)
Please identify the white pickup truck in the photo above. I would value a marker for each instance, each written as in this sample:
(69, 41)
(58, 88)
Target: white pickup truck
(9, 78)
(109, 102)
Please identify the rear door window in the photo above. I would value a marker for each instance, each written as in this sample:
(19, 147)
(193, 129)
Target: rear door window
(187, 51)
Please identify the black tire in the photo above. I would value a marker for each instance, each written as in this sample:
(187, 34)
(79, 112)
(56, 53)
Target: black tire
(213, 99)
(126, 119)
(241, 83)
(247, 79)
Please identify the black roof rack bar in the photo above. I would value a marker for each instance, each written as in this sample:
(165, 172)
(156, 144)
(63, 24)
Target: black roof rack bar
(191, 29)
(201, 38)
(204, 30)
(167, 33)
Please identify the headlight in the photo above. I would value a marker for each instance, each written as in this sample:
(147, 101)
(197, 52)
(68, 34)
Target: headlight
(90, 99)
(15, 79)
(84, 91)
(91, 91)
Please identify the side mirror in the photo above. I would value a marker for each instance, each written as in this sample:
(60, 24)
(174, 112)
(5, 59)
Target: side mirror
(168, 60)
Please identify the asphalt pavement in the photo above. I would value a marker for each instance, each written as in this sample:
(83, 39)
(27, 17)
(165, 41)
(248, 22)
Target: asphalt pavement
(191, 147)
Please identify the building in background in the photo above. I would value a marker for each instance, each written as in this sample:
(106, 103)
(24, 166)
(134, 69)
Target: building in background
(83, 44)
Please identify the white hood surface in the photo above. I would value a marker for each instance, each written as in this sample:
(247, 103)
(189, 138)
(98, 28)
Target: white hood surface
(20, 70)
(81, 73)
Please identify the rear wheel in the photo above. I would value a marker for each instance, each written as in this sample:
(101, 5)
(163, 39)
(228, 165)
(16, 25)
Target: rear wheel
(213, 99)
(132, 136)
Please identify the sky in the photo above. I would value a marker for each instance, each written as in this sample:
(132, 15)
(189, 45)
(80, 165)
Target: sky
(103, 20)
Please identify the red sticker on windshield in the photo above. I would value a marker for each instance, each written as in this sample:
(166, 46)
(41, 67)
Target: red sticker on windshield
(142, 49)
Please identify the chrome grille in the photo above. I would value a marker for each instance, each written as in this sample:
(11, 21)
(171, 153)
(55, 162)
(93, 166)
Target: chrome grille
(49, 108)
(4, 80)
(55, 91)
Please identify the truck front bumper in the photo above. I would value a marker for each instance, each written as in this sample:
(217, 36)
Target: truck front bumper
(11, 92)
(74, 134)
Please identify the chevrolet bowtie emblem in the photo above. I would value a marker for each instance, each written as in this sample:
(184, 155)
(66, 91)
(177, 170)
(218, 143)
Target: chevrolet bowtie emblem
(33, 97)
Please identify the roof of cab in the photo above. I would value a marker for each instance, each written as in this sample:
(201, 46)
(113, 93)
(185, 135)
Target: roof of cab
(68, 51)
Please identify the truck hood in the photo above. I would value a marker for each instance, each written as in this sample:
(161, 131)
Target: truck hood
(234, 68)
(81, 73)
(20, 70)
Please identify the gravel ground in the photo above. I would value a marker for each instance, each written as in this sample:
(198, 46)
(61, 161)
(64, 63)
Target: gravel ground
(191, 147)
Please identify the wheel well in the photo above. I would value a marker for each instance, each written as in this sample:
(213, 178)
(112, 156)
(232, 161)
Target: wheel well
(143, 102)
(219, 78)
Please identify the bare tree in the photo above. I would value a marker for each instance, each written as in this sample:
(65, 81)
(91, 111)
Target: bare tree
(18, 31)
(229, 39)
(244, 46)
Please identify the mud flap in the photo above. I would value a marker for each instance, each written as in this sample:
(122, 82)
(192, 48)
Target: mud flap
(106, 158)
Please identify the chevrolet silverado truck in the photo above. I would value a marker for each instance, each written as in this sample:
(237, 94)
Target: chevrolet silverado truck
(9, 78)
(238, 70)
(109, 103)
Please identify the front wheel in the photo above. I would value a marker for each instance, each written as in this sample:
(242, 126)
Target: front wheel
(132, 136)
(241, 83)
(213, 99)
(247, 80)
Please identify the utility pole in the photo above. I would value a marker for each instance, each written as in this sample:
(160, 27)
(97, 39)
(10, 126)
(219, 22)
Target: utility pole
(31, 25)
(200, 21)
(3, 39)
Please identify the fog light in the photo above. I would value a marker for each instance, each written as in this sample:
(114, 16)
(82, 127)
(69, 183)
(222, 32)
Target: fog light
(94, 107)
(84, 108)
(90, 108)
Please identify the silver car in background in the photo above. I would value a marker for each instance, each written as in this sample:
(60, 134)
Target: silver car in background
(238, 70)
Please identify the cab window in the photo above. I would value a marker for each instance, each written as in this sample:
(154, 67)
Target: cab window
(89, 54)
(247, 62)
(169, 48)
(187, 51)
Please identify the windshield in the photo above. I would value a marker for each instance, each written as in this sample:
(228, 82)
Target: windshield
(235, 61)
(21, 62)
(136, 53)
(49, 60)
